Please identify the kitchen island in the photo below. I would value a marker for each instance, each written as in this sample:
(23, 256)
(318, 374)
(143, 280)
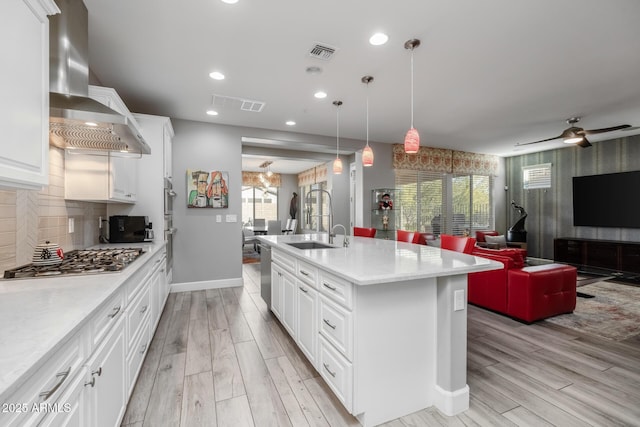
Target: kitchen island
(384, 322)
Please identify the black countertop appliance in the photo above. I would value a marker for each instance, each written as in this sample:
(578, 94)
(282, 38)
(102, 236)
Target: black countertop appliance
(128, 229)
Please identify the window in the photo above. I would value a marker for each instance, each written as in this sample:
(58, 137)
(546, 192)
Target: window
(315, 207)
(536, 176)
(259, 202)
(444, 203)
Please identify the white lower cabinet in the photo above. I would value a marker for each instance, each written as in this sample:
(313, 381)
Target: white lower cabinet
(106, 380)
(307, 322)
(276, 290)
(289, 309)
(337, 371)
(88, 381)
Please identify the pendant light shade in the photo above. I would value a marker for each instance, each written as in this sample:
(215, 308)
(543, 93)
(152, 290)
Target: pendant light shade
(412, 138)
(367, 156)
(337, 163)
(411, 141)
(367, 152)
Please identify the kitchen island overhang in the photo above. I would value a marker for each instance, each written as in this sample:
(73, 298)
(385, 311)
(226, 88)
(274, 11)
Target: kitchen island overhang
(408, 333)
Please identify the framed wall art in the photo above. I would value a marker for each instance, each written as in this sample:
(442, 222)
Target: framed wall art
(207, 189)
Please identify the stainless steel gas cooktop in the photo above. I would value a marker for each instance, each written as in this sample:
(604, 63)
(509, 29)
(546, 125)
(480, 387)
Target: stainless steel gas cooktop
(83, 261)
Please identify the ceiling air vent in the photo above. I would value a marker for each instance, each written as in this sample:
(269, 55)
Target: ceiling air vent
(235, 103)
(322, 51)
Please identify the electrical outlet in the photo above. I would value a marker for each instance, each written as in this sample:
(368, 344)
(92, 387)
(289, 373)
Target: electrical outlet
(72, 225)
(458, 300)
(218, 218)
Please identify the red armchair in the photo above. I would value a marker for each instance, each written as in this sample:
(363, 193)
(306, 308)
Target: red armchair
(457, 243)
(524, 293)
(405, 236)
(364, 232)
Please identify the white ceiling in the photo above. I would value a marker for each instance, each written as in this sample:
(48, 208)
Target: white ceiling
(488, 74)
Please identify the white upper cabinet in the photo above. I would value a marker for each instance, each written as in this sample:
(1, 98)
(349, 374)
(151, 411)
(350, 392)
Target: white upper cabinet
(24, 106)
(101, 177)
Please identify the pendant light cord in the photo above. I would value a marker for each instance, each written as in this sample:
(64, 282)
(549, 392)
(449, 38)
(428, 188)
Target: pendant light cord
(411, 87)
(367, 114)
(337, 130)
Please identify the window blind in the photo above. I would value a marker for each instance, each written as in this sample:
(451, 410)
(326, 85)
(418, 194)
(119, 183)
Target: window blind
(439, 203)
(536, 176)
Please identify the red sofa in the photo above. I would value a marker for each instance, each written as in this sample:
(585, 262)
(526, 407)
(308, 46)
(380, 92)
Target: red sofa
(524, 293)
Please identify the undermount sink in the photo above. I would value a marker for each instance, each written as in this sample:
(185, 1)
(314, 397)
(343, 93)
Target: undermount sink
(311, 245)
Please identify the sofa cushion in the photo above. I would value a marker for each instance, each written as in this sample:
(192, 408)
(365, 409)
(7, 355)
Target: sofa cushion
(496, 242)
(480, 235)
(516, 255)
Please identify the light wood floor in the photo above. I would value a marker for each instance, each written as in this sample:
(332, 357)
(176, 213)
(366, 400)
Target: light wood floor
(219, 358)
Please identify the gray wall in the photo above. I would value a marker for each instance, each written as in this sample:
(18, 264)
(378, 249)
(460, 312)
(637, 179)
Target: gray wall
(204, 249)
(550, 211)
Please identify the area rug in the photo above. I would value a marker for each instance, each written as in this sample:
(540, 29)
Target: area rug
(613, 312)
(250, 256)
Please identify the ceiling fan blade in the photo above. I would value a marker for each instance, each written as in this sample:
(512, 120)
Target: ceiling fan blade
(536, 142)
(584, 143)
(603, 130)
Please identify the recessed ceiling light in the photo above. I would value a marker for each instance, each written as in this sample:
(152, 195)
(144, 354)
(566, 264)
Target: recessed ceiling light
(230, 1)
(212, 112)
(378, 38)
(290, 123)
(216, 75)
(320, 94)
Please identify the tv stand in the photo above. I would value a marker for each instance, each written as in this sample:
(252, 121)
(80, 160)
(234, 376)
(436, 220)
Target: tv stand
(600, 257)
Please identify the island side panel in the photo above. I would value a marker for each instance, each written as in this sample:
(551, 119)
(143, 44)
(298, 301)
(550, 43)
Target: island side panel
(452, 391)
(395, 349)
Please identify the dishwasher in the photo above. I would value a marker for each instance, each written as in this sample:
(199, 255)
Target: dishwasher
(265, 273)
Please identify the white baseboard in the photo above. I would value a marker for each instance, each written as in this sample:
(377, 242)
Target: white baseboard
(206, 284)
(452, 402)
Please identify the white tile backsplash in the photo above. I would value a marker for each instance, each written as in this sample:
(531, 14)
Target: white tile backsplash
(31, 217)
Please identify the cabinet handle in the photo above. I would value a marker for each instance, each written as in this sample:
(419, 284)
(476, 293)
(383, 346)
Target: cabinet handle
(144, 348)
(63, 376)
(116, 310)
(143, 309)
(303, 289)
(326, 285)
(329, 324)
(304, 273)
(333, 374)
(98, 372)
(92, 383)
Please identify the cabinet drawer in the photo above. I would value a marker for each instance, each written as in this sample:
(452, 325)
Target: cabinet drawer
(286, 261)
(140, 278)
(138, 350)
(106, 317)
(46, 385)
(336, 326)
(137, 314)
(307, 273)
(336, 371)
(337, 289)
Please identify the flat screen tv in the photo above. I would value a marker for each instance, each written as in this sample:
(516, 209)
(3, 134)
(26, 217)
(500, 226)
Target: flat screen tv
(607, 200)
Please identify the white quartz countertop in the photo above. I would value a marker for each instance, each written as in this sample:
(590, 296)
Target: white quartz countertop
(37, 316)
(368, 261)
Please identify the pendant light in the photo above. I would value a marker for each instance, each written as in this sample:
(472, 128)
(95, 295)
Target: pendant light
(367, 152)
(412, 138)
(337, 163)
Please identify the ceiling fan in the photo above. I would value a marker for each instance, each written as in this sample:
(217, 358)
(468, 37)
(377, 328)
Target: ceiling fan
(577, 135)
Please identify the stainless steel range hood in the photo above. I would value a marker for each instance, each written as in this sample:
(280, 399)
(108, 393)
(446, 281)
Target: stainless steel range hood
(76, 120)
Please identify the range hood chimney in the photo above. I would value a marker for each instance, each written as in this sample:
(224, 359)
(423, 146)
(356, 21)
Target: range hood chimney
(77, 121)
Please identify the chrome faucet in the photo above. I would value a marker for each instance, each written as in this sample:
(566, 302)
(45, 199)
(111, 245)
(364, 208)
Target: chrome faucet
(345, 242)
(320, 190)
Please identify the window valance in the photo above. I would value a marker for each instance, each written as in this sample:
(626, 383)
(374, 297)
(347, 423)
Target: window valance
(252, 179)
(312, 176)
(429, 159)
